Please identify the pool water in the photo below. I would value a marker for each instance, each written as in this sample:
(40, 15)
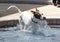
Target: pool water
(24, 36)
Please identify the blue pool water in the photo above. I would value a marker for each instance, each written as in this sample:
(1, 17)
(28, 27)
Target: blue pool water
(23, 36)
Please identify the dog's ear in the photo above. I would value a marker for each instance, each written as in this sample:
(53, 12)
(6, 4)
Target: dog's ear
(32, 11)
(37, 10)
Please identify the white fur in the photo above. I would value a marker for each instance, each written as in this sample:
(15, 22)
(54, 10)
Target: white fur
(26, 16)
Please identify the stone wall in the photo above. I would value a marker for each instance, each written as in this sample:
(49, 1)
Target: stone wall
(10, 23)
(53, 21)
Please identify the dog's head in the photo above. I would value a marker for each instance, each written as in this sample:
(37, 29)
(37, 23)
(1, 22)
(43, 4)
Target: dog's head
(37, 13)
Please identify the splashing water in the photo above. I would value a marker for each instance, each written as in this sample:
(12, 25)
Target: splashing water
(41, 27)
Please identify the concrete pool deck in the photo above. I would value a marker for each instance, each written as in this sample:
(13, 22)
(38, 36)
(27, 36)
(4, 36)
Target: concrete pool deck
(10, 17)
(49, 11)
